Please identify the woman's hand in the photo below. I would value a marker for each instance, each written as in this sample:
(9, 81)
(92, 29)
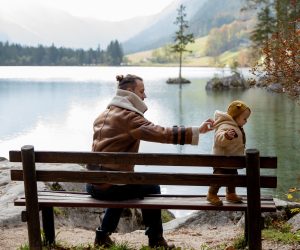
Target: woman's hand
(206, 126)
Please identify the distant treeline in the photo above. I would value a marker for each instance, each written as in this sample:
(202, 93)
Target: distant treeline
(17, 55)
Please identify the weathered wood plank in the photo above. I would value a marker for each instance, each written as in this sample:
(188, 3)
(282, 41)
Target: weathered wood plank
(143, 159)
(185, 203)
(85, 194)
(118, 177)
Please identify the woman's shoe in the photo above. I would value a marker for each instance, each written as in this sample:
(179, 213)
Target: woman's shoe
(102, 239)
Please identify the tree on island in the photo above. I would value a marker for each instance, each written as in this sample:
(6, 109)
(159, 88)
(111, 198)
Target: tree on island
(181, 41)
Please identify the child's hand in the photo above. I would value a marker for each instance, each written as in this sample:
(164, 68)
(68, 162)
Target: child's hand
(230, 134)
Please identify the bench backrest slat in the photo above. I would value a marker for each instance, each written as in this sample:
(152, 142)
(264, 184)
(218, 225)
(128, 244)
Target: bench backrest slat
(143, 159)
(143, 178)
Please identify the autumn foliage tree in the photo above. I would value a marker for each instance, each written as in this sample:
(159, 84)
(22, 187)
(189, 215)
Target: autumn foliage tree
(281, 62)
(280, 50)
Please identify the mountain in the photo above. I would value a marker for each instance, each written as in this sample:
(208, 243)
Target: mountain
(163, 30)
(202, 15)
(35, 24)
(214, 14)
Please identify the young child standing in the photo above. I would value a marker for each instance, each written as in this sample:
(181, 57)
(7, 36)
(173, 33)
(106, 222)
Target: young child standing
(229, 139)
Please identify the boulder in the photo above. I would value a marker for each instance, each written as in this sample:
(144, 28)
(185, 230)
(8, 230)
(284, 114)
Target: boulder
(275, 87)
(207, 218)
(235, 81)
(282, 204)
(295, 222)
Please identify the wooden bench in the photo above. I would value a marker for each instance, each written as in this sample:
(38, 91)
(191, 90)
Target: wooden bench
(44, 201)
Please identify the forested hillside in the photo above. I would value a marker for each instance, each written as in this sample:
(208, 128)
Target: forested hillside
(203, 16)
(222, 46)
(15, 54)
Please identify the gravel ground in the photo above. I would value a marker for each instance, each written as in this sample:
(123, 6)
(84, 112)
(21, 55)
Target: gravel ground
(186, 238)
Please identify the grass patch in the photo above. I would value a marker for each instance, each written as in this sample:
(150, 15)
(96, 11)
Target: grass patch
(23, 247)
(240, 243)
(206, 247)
(166, 215)
(278, 231)
(56, 186)
(59, 212)
(281, 232)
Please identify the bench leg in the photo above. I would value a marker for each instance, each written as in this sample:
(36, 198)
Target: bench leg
(253, 199)
(246, 228)
(48, 225)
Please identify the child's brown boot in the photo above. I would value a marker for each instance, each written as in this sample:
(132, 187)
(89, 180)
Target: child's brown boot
(214, 199)
(234, 198)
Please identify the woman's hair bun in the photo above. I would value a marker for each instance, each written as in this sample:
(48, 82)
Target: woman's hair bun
(119, 78)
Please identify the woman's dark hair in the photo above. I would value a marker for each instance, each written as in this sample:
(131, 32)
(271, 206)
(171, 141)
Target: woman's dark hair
(129, 81)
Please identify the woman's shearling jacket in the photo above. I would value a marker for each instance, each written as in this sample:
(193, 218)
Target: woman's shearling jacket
(122, 125)
(222, 145)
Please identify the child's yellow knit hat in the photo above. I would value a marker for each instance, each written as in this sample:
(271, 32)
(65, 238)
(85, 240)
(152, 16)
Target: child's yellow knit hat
(236, 108)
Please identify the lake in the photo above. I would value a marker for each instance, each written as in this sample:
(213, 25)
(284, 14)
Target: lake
(53, 108)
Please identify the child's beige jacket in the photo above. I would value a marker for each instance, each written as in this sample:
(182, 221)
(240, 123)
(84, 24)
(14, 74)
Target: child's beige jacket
(222, 145)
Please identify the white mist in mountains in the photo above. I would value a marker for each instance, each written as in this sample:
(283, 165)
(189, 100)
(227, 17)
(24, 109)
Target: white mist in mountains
(33, 24)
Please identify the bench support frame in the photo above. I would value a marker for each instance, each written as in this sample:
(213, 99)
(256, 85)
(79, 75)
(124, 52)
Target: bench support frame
(252, 214)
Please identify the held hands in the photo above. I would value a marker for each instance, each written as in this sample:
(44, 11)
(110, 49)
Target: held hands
(230, 134)
(206, 126)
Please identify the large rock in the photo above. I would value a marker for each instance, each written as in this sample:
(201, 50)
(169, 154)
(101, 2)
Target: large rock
(9, 191)
(282, 204)
(295, 222)
(208, 218)
(275, 87)
(235, 81)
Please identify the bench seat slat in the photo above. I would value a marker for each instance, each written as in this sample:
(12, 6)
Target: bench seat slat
(49, 199)
(83, 194)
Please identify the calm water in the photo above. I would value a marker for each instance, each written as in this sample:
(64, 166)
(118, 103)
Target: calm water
(53, 108)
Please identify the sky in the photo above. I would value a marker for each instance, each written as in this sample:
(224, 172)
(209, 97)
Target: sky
(111, 10)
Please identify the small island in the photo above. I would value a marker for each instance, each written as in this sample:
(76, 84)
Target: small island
(178, 80)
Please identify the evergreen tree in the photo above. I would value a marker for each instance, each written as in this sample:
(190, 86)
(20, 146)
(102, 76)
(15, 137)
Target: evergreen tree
(114, 53)
(265, 26)
(181, 39)
(39, 55)
(53, 55)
